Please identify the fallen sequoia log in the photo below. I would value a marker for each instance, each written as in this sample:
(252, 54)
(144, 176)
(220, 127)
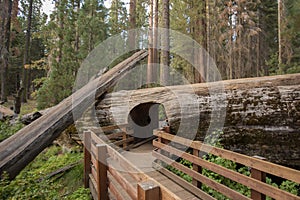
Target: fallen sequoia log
(262, 115)
(20, 149)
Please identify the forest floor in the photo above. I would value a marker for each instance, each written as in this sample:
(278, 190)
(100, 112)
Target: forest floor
(55, 173)
(28, 107)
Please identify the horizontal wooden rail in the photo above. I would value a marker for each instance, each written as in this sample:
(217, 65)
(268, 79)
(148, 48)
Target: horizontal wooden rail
(124, 141)
(115, 135)
(119, 135)
(235, 176)
(270, 168)
(109, 128)
(112, 185)
(209, 182)
(188, 186)
(254, 182)
(127, 186)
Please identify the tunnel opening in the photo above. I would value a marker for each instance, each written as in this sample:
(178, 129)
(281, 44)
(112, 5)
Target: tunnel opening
(146, 117)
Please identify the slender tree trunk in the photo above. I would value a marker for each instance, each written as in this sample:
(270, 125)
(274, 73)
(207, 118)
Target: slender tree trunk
(200, 33)
(280, 52)
(165, 43)
(91, 38)
(132, 24)
(60, 35)
(77, 40)
(203, 43)
(28, 84)
(26, 58)
(230, 58)
(208, 40)
(240, 72)
(258, 64)
(150, 38)
(5, 43)
(155, 41)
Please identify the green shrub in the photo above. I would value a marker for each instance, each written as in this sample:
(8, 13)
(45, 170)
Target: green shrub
(80, 194)
(7, 130)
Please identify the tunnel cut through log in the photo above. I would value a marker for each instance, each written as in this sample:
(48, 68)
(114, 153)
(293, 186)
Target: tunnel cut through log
(144, 118)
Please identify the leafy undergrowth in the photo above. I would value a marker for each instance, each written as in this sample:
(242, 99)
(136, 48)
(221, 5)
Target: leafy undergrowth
(7, 130)
(28, 107)
(36, 181)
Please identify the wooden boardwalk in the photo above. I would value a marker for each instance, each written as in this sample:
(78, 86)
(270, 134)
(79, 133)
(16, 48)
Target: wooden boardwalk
(143, 160)
(159, 178)
(140, 173)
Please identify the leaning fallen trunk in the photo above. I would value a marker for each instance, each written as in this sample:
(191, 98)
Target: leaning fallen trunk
(20, 149)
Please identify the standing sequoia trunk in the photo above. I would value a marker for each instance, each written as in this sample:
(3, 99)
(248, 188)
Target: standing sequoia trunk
(262, 114)
(26, 60)
(5, 19)
(280, 16)
(150, 45)
(200, 35)
(155, 36)
(132, 23)
(165, 44)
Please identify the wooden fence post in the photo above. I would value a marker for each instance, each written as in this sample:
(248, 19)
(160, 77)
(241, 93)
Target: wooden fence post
(87, 157)
(124, 138)
(196, 168)
(101, 167)
(163, 141)
(261, 176)
(148, 191)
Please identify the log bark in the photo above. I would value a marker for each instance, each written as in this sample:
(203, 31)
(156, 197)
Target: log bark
(262, 115)
(20, 149)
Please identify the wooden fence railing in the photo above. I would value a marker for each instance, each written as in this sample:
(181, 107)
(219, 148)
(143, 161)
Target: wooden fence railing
(120, 135)
(101, 174)
(256, 181)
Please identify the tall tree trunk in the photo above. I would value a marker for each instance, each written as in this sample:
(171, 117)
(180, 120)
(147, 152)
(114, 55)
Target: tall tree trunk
(165, 44)
(230, 58)
(280, 51)
(5, 45)
(132, 24)
(28, 84)
(26, 58)
(60, 33)
(91, 38)
(208, 40)
(150, 38)
(258, 64)
(201, 36)
(77, 37)
(155, 41)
